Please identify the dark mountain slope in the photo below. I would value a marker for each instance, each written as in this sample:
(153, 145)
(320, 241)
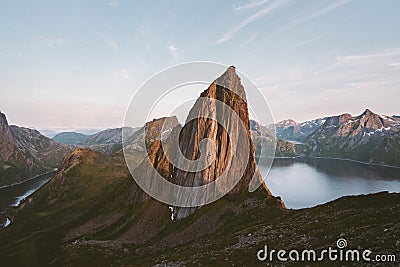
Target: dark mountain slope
(25, 153)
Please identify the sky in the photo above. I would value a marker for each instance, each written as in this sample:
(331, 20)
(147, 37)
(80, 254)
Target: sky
(76, 64)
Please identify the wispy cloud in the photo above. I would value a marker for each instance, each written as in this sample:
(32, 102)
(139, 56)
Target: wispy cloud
(266, 10)
(249, 40)
(305, 42)
(113, 3)
(49, 42)
(173, 51)
(316, 14)
(110, 42)
(365, 57)
(125, 75)
(252, 4)
(10, 54)
(352, 81)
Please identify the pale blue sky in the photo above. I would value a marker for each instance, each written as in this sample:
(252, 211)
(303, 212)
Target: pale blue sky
(78, 63)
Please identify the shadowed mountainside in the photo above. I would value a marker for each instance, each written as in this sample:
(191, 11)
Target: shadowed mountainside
(25, 153)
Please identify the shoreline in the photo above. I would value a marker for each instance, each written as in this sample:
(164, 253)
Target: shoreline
(17, 183)
(343, 159)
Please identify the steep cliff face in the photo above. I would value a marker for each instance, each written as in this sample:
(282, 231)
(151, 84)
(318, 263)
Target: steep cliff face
(228, 90)
(207, 121)
(7, 142)
(157, 129)
(25, 153)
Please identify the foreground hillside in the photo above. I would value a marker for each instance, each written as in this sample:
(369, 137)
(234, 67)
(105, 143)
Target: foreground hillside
(92, 213)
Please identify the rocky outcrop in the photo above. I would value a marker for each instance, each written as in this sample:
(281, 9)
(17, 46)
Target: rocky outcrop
(157, 129)
(285, 149)
(202, 125)
(7, 141)
(228, 90)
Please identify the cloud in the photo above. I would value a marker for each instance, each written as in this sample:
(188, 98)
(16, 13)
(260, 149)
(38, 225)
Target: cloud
(335, 84)
(173, 51)
(249, 40)
(49, 42)
(113, 3)
(10, 54)
(109, 42)
(252, 4)
(316, 14)
(125, 75)
(266, 10)
(367, 57)
(305, 42)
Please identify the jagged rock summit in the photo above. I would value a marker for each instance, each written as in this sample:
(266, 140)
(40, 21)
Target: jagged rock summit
(206, 121)
(229, 90)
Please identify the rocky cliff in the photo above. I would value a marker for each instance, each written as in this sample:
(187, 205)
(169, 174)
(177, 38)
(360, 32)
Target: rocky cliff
(205, 122)
(25, 153)
(228, 90)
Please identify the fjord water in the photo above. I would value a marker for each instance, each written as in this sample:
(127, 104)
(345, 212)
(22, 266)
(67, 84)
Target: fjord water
(13, 195)
(303, 183)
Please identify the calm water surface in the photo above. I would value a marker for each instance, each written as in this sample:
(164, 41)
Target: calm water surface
(13, 195)
(303, 183)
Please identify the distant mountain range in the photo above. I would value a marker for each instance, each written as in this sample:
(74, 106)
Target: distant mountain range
(293, 131)
(50, 133)
(368, 137)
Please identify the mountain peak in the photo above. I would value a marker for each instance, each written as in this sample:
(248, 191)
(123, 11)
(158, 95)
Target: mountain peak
(229, 80)
(231, 72)
(229, 161)
(368, 112)
(3, 122)
(287, 122)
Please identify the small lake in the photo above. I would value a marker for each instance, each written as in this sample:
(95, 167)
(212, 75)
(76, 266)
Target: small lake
(303, 183)
(13, 195)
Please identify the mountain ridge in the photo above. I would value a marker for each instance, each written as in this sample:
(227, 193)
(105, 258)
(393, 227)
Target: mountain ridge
(25, 153)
